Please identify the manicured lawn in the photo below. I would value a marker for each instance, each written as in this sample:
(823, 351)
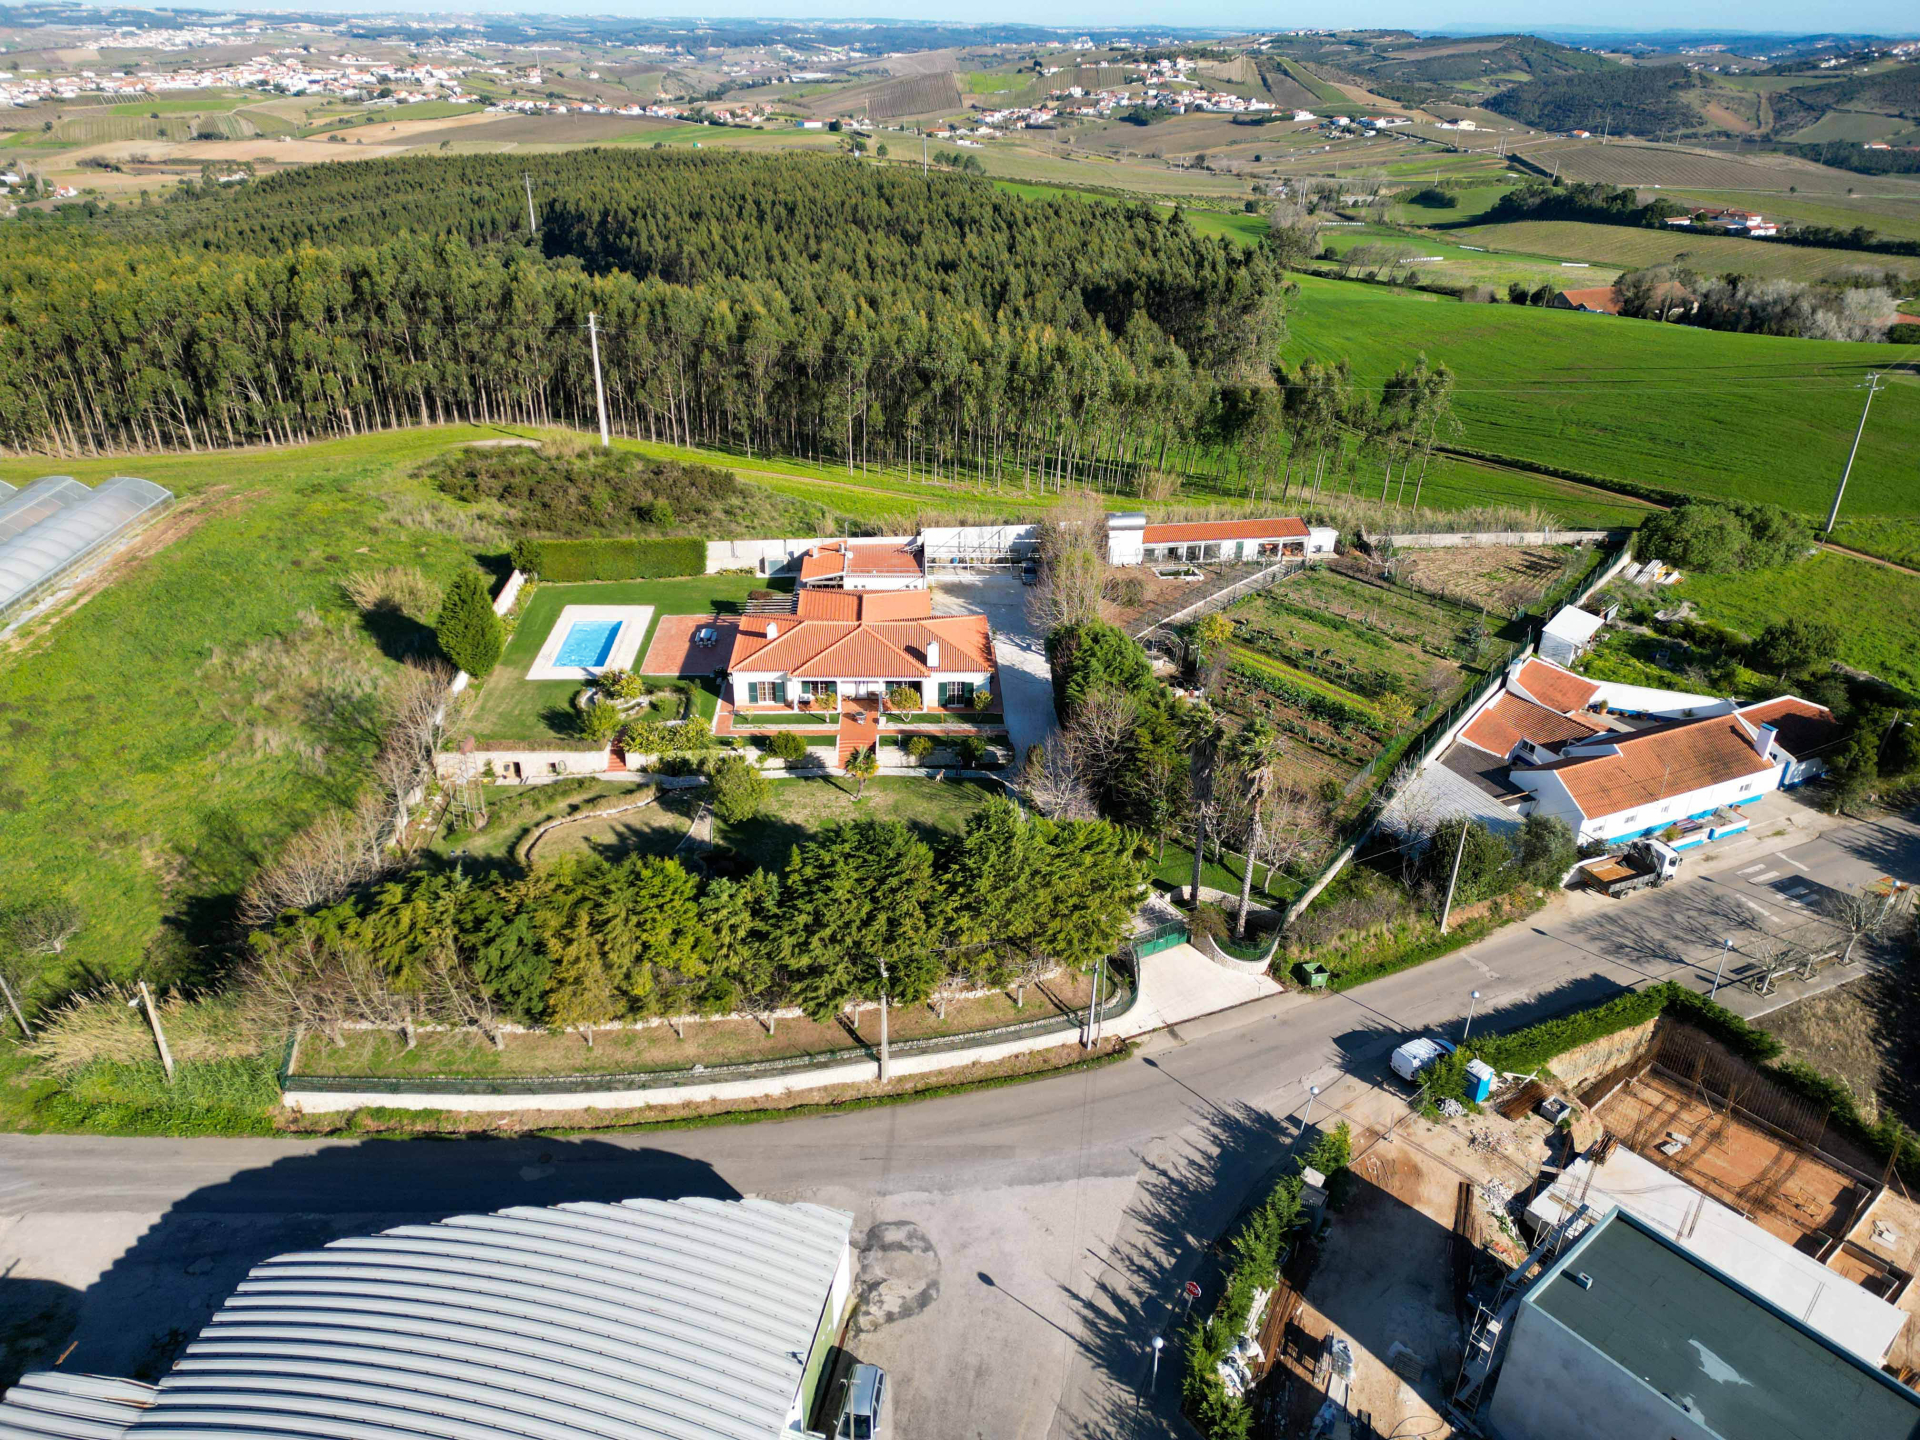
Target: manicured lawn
(512, 709)
(1753, 416)
(798, 809)
(513, 810)
(1876, 609)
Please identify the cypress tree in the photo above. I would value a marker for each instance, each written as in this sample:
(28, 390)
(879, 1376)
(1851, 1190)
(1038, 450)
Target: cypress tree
(470, 634)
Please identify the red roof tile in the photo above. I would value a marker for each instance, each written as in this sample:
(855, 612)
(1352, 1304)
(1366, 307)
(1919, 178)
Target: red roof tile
(1658, 764)
(1511, 719)
(1804, 728)
(874, 650)
(822, 604)
(1291, 528)
(1555, 688)
(840, 558)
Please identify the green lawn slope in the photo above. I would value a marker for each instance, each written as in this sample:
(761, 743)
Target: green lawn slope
(1695, 411)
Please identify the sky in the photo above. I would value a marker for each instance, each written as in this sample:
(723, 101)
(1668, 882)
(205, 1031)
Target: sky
(1883, 17)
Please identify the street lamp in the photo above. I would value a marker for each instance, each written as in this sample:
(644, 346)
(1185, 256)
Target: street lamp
(1313, 1093)
(885, 1073)
(1472, 1000)
(1159, 1343)
(1721, 967)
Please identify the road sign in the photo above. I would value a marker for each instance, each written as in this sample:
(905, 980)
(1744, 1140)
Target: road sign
(1192, 1290)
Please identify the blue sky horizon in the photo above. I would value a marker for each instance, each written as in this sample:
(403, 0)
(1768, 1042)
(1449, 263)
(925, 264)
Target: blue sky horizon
(1887, 18)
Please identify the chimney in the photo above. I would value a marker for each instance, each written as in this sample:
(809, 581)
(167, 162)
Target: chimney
(933, 654)
(1763, 741)
(773, 630)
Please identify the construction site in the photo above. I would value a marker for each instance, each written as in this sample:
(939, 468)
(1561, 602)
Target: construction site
(1431, 1302)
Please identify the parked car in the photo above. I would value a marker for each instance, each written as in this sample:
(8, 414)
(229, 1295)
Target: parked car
(1414, 1056)
(1030, 572)
(863, 1405)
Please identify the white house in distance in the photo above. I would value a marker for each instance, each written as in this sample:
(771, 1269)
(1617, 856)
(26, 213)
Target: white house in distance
(1132, 541)
(1567, 635)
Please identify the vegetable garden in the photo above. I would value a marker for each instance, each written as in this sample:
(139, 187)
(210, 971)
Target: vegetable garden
(1343, 664)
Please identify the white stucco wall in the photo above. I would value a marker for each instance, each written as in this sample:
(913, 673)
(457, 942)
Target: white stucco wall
(1554, 799)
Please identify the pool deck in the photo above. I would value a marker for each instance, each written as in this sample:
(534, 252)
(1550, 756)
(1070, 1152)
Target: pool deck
(626, 645)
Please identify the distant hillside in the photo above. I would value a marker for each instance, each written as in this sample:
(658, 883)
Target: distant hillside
(1638, 100)
(1392, 58)
(1892, 92)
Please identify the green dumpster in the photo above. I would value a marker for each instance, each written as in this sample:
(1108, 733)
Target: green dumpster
(1312, 974)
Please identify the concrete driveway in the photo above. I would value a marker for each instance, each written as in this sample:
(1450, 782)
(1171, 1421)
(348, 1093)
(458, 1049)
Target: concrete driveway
(1019, 1248)
(1020, 649)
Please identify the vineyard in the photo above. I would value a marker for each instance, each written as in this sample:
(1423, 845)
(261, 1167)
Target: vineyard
(1342, 664)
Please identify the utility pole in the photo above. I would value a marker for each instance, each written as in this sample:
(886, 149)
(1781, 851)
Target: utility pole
(886, 1072)
(533, 225)
(26, 1030)
(1093, 1010)
(159, 1035)
(923, 152)
(1872, 384)
(599, 390)
(1453, 879)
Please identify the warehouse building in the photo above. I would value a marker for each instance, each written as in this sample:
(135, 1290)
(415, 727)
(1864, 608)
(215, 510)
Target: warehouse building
(684, 1320)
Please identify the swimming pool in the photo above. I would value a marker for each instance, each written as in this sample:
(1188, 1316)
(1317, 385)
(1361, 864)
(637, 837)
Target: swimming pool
(588, 643)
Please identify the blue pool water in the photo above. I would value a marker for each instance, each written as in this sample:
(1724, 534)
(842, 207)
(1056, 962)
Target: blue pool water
(588, 642)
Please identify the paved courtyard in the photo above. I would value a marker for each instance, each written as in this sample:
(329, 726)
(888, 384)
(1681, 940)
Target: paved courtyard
(1018, 646)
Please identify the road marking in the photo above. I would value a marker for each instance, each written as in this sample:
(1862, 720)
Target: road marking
(1763, 877)
(1791, 861)
(1756, 907)
(1751, 868)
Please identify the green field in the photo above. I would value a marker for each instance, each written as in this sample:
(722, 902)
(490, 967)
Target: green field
(199, 104)
(1876, 609)
(1243, 229)
(1893, 216)
(1691, 410)
(1446, 262)
(1632, 247)
(158, 741)
(987, 82)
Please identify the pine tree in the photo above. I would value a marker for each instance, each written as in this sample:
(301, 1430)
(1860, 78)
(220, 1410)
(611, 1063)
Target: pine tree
(470, 634)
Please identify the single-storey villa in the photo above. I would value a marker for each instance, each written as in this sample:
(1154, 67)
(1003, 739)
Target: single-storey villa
(855, 649)
(1132, 541)
(843, 565)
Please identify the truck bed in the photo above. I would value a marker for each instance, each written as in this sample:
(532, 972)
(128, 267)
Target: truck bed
(1608, 872)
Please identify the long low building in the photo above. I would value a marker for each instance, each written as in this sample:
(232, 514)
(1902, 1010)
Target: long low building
(1132, 541)
(645, 1320)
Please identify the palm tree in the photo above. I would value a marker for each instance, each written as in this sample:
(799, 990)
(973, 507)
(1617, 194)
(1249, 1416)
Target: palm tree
(1256, 755)
(862, 765)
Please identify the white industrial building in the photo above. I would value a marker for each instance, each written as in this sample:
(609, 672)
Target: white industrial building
(1855, 1319)
(1132, 541)
(646, 1320)
(1630, 1336)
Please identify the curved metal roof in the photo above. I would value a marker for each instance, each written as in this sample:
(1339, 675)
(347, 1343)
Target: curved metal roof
(41, 500)
(46, 550)
(644, 1320)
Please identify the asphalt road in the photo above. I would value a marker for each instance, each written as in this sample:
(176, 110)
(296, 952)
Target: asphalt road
(1019, 1247)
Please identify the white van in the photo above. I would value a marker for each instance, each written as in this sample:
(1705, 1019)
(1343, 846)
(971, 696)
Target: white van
(1414, 1056)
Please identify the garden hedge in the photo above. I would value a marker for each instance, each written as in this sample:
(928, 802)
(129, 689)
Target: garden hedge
(621, 559)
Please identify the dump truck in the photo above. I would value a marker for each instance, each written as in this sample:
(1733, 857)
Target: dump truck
(1643, 864)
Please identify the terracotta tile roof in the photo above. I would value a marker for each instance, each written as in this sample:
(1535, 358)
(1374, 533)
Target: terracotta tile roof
(821, 604)
(839, 558)
(1599, 299)
(1656, 764)
(1291, 528)
(1511, 719)
(1805, 728)
(875, 650)
(1555, 688)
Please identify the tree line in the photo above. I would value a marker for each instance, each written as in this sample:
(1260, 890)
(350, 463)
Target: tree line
(806, 304)
(589, 942)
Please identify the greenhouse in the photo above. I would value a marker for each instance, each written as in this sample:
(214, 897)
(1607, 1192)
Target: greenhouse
(21, 510)
(68, 532)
